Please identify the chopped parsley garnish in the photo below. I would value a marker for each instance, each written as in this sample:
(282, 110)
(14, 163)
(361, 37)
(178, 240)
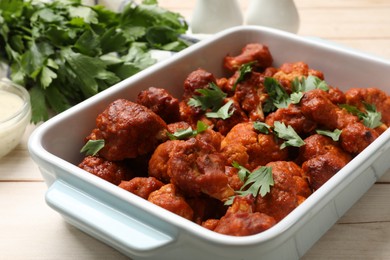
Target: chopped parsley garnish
(296, 97)
(242, 171)
(92, 147)
(281, 131)
(370, 118)
(288, 134)
(309, 83)
(224, 112)
(300, 86)
(257, 182)
(335, 135)
(262, 127)
(278, 97)
(210, 98)
(189, 132)
(243, 70)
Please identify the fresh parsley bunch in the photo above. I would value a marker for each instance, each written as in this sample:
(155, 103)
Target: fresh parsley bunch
(64, 52)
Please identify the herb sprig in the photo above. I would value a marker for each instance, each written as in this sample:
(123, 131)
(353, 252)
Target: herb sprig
(281, 131)
(92, 147)
(211, 98)
(335, 135)
(258, 182)
(370, 118)
(288, 134)
(242, 71)
(223, 112)
(189, 132)
(278, 96)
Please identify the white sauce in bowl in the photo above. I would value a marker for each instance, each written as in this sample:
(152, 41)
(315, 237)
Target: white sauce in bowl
(10, 104)
(15, 114)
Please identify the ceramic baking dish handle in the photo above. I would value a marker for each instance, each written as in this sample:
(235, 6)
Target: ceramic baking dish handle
(104, 222)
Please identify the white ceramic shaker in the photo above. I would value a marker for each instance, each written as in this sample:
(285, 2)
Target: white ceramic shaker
(211, 16)
(279, 14)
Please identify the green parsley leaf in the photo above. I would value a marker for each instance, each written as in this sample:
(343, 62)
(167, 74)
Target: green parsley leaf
(281, 131)
(287, 133)
(299, 86)
(242, 171)
(296, 97)
(38, 107)
(352, 109)
(262, 127)
(164, 38)
(211, 98)
(335, 135)
(189, 132)
(47, 76)
(224, 112)
(257, 182)
(92, 147)
(243, 70)
(230, 200)
(86, 13)
(181, 134)
(260, 181)
(56, 99)
(309, 83)
(370, 118)
(278, 97)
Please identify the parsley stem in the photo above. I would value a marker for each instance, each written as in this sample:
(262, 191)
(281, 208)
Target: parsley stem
(26, 29)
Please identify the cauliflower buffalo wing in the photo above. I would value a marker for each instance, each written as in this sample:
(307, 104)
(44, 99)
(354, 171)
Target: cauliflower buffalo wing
(242, 220)
(243, 144)
(113, 172)
(253, 52)
(288, 191)
(359, 96)
(170, 198)
(128, 129)
(161, 102)
(293, 116)
(141, 186)
(322, 158)
(197, 169)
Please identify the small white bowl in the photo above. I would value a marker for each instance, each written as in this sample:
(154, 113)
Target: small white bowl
(15, 114)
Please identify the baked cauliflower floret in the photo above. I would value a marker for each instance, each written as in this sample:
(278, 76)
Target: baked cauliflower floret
(113, 172)
(141, 186)
(321, 158)
(257, 53)
(244, 145)
(128, 129)
(288, 191)
(241, 219)
(170, 198)
(161, 102)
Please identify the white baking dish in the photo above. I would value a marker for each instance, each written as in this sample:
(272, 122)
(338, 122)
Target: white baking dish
(140, 229)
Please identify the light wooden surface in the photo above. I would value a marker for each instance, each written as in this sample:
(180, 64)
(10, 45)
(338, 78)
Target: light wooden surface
(29, 229)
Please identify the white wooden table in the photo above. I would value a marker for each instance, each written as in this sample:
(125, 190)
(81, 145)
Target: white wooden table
(29, 229)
